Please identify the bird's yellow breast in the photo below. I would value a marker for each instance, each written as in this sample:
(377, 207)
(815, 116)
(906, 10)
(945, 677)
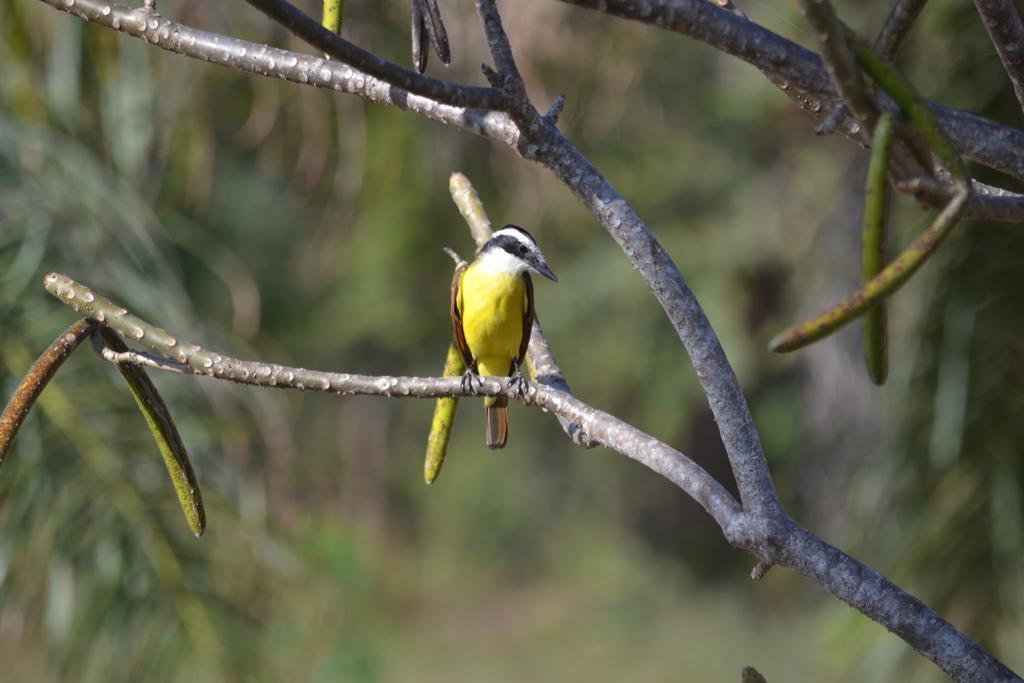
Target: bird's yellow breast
(492, 304)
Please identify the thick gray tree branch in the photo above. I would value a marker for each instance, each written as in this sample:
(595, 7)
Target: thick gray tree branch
(871, 593)
(1002, 20)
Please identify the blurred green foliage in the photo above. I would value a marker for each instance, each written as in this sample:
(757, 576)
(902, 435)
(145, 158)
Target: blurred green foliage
(293, 225)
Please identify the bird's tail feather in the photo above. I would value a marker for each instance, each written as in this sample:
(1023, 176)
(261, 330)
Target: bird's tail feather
(497, 423)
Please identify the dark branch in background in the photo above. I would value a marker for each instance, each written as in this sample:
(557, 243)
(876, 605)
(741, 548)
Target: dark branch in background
(840, 64)
(307, 28)
(897, 26)
(989, 143)
(889, 41)
(1007, 33)
(802, 76)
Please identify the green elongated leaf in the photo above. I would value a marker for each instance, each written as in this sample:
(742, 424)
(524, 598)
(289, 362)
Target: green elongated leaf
(915, 108)
(444, 418)
(896, 274)
(158, 418)
(891, 278)
(876, 218)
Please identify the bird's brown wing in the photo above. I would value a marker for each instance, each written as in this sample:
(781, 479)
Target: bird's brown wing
(460, 336)
(528, 316)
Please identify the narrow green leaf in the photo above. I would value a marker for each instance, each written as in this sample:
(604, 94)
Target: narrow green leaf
(913, 106)
(891, 278)
(158, 418)
(876, 218)
(444, 418)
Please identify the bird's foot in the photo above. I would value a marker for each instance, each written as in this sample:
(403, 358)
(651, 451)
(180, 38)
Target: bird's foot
(471, 381)
(518, 383)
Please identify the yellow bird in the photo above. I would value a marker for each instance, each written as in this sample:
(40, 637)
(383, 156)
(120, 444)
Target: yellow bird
(492, 315)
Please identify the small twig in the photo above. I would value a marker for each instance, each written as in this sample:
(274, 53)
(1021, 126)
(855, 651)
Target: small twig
(751, 675)
(36, 379)
(497, 41)
(912, 105)
(728, 5)
(760, 569)
(139, 359)
(1003, 22)
(507, 78)
(306, 28)
(888, 43)
(555, 110)
(453, 255)
(832, 121)
(841, 65)
(897, 26)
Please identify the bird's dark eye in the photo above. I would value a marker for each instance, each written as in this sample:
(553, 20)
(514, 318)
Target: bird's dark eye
(520, 250)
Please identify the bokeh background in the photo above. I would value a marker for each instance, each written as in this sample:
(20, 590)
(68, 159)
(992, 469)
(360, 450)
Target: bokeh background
(273, 221)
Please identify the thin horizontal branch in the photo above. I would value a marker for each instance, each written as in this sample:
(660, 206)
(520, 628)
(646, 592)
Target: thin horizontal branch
(802, 76)
(601, 427)
(309, 30)
(1002, 20)
(272, 62)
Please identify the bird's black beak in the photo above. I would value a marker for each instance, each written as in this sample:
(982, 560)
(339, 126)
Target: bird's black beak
(543, 269)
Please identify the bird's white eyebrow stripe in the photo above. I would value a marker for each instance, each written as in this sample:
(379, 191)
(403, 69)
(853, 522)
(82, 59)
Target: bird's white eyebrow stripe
(517, 235)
